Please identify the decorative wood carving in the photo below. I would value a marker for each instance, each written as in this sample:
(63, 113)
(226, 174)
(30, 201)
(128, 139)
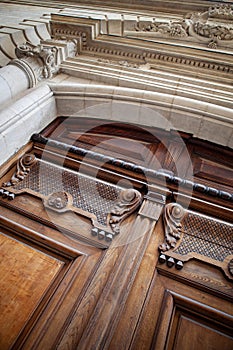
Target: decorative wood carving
(59, 201)
(199, 236)
(121, 164)
(129, 201)
(230, 267)
(103, 298)
(63, 190)
(152, 205)
(23, 167)
(173, 214)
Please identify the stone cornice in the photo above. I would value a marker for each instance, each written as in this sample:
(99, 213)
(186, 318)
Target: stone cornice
(175, 6)
(197, 52)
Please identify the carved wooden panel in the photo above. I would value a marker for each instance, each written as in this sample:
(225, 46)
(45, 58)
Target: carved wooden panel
(27, 276)
(211, 164)
(63, 190)
(182, 315)
(126, 296)
(174, 152)
(190, 324)
(213, 171)
(191, 235)
(130, 143)
(43, 277)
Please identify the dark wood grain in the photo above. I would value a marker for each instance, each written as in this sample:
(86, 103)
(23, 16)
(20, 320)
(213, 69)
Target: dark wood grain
(76, 292)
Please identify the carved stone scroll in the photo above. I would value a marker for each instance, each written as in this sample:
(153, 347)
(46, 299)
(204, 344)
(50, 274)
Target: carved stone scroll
(173, 214)
(45, 55)
(129, 201)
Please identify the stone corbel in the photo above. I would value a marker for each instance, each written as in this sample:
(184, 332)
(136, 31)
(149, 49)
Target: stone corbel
(38, 62)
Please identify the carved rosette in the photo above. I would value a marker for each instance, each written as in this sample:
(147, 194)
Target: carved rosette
(129, 201)
(59, 201)
(173, 214)
(22, 169)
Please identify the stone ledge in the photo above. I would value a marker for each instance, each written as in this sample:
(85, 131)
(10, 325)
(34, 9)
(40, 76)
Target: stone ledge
(29, 114)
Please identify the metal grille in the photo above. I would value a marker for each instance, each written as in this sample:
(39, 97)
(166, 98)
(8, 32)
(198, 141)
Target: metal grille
(89, 194)
(205, 236)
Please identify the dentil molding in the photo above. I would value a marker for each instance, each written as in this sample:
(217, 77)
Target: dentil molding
(199, 40)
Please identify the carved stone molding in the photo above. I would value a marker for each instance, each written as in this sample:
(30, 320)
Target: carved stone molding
(129, 201)
(222, 11)
(213, 27)
(45, 54)
(169, 29)
(125, 48)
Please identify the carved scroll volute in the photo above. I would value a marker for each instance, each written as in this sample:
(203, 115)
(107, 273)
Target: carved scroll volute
(22, 169)
(129, 201)
(230, 267)
(173, 214)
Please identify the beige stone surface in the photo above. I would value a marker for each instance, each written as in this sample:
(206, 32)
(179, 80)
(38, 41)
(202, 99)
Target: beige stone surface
(12, 81)
(28, 115)
(162, 82)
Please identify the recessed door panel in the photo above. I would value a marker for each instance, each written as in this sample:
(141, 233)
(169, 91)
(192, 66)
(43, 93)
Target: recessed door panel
(193, 334)
(26, 275)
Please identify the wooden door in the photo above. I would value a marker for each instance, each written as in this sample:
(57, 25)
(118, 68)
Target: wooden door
(87, 263)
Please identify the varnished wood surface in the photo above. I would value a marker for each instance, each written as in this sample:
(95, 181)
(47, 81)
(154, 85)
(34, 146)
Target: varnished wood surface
(211, 162)
(87, 296)
(46, 324)
(22, 285)
(169, 301)
(202, 334)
